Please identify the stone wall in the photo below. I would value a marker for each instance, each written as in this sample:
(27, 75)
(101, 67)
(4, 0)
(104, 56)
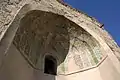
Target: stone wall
(10, 9)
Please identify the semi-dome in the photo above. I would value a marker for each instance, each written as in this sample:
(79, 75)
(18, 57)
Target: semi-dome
(49, 40)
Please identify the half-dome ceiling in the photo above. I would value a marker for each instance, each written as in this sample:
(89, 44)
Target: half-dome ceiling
(44, 33)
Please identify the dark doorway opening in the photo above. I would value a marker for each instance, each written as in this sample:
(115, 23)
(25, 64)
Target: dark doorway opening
(50, 66)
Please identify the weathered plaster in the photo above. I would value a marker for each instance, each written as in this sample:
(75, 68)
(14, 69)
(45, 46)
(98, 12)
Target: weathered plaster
(12, 11)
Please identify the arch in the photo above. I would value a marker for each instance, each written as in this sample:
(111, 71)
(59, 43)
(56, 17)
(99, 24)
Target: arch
(70, 31)
(63, 66)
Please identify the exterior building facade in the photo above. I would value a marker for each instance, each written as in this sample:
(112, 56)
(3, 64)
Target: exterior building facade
(49, 40)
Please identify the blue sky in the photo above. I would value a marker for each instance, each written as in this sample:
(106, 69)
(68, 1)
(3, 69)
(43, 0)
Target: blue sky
(105, 11)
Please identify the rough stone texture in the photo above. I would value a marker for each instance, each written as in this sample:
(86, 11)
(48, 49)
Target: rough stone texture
(9, 8)
(90, 46)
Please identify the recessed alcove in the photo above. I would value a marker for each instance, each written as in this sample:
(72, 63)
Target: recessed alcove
(45, 32)
(69, 47)
(50, 65)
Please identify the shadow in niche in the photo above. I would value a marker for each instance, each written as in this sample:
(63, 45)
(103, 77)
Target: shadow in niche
(50, 65)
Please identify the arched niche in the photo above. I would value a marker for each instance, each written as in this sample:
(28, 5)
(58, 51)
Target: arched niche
(38, 32)
(42, 32)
